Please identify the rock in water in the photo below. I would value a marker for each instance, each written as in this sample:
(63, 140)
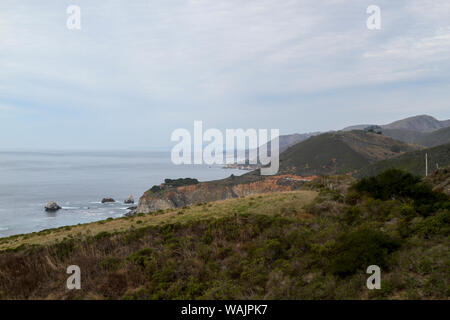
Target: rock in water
(104, 200)
(130, 199)
(52, 206)
(131, 213)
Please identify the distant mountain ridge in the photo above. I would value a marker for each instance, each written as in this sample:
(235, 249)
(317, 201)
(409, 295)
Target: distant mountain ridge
(410, 130)
(427, 139)
(420, 123)
(286, 141)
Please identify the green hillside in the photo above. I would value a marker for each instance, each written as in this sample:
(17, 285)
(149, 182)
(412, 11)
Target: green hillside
(413, 162)
(339, 152)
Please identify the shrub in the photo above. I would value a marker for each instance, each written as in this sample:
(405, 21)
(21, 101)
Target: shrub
(357, 250)
(399, 184)
(102, 235)
(156, 189)
(438, 224)
(110, 263)
(180, 182)
(352, 215)
(64, 249)
(141, 257)
(392, 183)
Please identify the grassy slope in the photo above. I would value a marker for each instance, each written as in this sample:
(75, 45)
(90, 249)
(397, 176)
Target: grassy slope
(413, 162)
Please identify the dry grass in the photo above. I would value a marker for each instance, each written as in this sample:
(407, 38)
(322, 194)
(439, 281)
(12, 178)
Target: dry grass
(288, 203)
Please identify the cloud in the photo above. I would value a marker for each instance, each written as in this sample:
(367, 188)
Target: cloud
(138, 70)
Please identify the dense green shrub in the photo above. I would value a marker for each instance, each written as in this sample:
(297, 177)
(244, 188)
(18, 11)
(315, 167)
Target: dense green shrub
(180, 182)
(438, 224)
(155, 189)
(141, 257)
(390, 184)
(398, 184)
(357, 250)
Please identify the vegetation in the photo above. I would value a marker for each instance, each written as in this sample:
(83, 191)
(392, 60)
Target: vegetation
(180, 182)
(413, 162)
(171, 183)
(292, 245)
(397, 184)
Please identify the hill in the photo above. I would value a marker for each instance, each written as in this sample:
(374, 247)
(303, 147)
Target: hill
(422, 123)
(413, 162)
(286, 141)
(411, 130)
(339, 152)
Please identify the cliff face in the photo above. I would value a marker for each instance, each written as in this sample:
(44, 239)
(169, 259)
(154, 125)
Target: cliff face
(213, 191)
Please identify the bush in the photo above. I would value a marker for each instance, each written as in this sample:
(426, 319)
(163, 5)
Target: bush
(180, 182)
(141, 257)
(392, 183)
(156, 189)
(110, 263)
(352, 215)
(357, 250)
(64, 249)
(438, 224)
(398, 184)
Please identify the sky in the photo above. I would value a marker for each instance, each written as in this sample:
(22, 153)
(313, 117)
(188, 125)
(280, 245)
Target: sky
(138, 70)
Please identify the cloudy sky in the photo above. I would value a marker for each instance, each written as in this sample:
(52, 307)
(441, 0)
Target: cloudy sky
(137, 70)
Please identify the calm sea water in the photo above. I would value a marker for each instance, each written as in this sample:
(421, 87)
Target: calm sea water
(78, 181)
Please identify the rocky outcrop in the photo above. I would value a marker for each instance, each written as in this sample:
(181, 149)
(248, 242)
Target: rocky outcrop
(129, 199)
(233, 187)
(105, 200)
(52, 206)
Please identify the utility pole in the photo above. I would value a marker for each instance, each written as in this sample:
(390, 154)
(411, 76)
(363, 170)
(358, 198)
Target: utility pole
(426, 164)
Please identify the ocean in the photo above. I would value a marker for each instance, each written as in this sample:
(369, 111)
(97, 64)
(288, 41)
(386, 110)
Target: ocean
(78, 181)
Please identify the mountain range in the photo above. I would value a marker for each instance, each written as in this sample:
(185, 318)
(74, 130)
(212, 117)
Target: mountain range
(420, 123)
(353, 150)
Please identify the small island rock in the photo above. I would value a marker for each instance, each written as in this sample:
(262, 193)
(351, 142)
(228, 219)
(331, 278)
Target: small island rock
(130, 199)
(52, 206)
(105, 200)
